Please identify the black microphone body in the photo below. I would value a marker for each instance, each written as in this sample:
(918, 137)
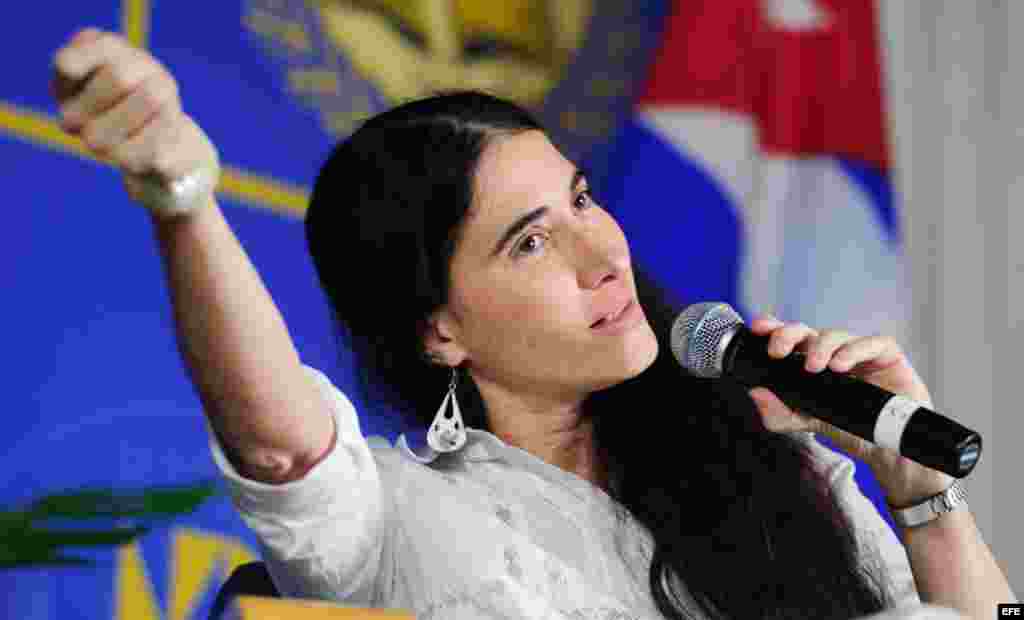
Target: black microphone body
(852, 404)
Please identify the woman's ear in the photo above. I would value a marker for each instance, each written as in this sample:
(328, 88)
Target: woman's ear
(438, 340)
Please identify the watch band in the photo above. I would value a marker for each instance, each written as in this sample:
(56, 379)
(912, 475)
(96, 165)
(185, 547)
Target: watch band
(930, 509)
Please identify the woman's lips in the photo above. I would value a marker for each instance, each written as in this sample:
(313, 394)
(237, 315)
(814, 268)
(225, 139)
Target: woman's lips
(623, 319)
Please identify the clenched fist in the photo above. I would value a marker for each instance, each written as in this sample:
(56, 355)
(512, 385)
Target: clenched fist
(124, 106)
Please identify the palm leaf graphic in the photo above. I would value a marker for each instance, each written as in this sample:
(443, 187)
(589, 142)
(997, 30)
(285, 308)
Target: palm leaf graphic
(26, 541)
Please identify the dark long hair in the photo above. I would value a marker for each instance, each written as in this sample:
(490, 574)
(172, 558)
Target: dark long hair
(738, 515)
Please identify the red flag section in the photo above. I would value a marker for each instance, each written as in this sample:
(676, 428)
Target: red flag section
(807, 72)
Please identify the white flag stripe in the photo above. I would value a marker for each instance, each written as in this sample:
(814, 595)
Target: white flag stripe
(813, 249)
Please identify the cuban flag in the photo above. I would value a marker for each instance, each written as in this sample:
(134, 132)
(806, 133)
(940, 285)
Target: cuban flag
(755, 169)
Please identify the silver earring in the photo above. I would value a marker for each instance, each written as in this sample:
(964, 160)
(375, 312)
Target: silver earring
(447, 433)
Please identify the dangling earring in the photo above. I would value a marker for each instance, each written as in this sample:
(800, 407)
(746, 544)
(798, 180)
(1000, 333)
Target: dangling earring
(447, 432)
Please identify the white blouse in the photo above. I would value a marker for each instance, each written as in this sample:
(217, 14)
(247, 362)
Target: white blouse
(490, 531)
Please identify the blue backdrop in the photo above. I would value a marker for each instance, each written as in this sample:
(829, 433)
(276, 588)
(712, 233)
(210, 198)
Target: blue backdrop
(99, 395)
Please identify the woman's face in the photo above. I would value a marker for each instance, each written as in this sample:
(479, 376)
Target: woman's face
(536, 264)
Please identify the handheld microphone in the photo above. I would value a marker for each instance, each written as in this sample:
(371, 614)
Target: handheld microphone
(710, 340)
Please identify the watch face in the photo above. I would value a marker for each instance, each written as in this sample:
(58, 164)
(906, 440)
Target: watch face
(955, 495)
(945, 503)
(959, 492)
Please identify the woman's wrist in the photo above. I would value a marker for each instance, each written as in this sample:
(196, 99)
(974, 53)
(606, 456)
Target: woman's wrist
(906, 483)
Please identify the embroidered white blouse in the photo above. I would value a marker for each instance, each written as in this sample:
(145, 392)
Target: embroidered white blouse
(490, 531)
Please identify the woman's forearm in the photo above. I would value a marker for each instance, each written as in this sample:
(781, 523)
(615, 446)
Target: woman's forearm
(238, 350)
(954, 567)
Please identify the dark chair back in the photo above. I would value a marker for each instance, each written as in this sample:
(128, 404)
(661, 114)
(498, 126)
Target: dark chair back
(251, 578)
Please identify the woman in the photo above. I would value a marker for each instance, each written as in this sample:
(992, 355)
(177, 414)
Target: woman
(583, 474)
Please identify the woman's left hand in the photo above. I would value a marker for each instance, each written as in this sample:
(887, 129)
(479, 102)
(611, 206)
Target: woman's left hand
(878, 360)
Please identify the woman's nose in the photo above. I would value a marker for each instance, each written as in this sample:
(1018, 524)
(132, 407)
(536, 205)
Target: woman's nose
(602, 260)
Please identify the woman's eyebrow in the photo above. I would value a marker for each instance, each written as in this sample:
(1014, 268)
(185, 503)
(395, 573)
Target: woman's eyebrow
(517, 226)
(527, 219)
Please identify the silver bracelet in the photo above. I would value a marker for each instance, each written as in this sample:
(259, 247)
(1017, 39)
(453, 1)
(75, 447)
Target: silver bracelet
(932, 507)
(184, 195)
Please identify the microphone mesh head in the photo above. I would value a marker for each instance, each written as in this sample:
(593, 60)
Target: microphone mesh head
(697, 333)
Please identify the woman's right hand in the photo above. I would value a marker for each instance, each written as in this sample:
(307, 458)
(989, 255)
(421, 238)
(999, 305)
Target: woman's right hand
(124, 106)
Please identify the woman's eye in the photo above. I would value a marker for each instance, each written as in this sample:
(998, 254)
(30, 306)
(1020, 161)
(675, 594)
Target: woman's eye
(525, 246)
(584, 199)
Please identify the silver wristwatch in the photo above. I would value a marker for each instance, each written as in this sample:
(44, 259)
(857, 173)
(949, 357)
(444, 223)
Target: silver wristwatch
(931, 508)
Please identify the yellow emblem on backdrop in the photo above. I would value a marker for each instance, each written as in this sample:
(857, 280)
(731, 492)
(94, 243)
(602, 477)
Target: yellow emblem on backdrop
(517, 49)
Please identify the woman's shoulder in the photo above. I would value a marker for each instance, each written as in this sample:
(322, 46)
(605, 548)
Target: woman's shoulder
(368, 452)
(386, 454)
(402, 466)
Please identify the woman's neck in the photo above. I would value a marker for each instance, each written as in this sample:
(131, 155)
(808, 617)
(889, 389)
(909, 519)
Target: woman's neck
(566, 443)
(550, 426)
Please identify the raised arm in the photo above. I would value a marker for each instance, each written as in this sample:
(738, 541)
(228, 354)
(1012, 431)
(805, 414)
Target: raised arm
(258, 398)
